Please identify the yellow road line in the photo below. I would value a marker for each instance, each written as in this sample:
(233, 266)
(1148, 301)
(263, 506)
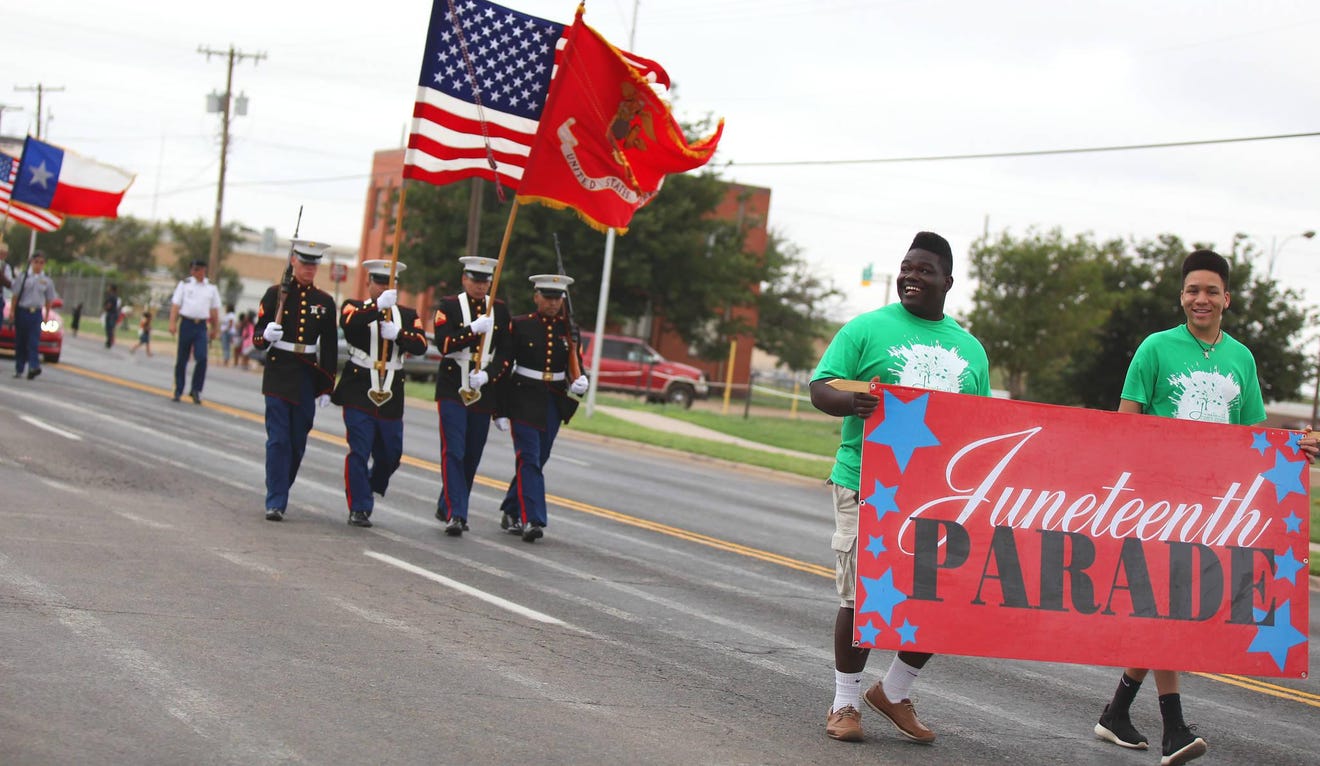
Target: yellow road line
(1282, 692)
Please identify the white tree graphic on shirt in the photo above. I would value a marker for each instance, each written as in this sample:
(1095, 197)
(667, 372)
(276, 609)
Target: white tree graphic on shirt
(933, 367)
(1204, 396)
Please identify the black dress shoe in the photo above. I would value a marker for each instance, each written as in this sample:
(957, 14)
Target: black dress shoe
(454, 527)
(359, 519)
(175, 397)
(532, 532)
(516, 528)
(274, 514)
(33, 373)
(505, 520)
(196, 397)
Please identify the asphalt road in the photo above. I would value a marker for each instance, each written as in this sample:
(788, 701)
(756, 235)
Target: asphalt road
(678, 611)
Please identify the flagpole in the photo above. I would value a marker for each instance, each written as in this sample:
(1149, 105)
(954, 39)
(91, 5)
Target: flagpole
(471, 395)
(607, 268)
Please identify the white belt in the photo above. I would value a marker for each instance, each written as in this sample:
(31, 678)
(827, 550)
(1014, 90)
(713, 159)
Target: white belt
(538, 375)
(363, 359)
(460, 356)
(297, 348)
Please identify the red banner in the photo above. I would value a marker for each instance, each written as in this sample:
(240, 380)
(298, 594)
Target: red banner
(1029, 531)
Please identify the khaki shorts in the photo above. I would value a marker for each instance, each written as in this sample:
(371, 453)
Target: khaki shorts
(844, 543)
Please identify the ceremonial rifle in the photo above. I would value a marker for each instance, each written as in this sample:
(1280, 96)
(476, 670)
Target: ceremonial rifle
(574, 333)
(286, 281)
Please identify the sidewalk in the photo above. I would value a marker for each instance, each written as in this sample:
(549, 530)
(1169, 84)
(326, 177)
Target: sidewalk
(684, 428)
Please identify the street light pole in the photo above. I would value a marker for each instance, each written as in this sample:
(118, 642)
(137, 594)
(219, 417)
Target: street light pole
(1276, 246)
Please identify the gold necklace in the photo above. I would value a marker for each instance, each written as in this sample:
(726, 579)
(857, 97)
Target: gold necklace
(1205, 352)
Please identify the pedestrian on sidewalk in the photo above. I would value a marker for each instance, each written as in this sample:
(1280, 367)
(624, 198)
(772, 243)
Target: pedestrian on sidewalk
(875, 347)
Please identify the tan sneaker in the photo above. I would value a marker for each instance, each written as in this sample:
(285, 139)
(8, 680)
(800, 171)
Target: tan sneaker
(844, 724)
(901, 714)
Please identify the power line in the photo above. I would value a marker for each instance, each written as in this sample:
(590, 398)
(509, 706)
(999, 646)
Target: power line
(1031, 153)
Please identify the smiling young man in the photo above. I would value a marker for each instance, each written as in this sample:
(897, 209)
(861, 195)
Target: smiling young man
(1194, 371)
(879, 345)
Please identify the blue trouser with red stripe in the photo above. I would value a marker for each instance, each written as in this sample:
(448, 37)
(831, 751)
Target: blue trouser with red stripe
(463, 435)
(380, 441)
(287, 426)
(525, 499)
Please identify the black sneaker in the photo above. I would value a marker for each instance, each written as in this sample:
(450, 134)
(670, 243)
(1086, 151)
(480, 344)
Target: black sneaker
(1120, 731)
(454, 527)
(196, 397)
(33, 373)
(274, 514)
(532, 532)
(1181, 745)
(359, 519)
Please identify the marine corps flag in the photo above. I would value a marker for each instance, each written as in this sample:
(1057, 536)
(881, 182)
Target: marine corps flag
(606, 139)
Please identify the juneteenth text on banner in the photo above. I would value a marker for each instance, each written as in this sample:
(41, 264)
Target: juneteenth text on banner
(1020, 530)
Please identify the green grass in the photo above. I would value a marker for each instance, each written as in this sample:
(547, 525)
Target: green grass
(606, 425)
(816, 437)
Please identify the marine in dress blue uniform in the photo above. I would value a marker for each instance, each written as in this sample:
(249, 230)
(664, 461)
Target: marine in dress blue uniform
(465, 323)
(300, 368)
(370, 389)
(536, 399)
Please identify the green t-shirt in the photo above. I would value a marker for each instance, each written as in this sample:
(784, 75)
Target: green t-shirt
(1170, 376)
(905, 350)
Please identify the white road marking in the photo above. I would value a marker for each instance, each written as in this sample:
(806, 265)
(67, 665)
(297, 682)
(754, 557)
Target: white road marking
(519, 609)
(257, 566)
(61, 486)
(48, 427)
(144, 522)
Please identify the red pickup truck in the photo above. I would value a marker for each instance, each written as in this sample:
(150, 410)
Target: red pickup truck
(629, 365)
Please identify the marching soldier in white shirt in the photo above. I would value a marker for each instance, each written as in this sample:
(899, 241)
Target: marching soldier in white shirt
(296, 322)
(194, 307)
(370, 389)
(474, 336)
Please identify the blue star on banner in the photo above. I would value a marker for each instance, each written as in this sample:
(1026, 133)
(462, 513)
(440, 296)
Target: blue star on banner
(907, 633)
(1294, 441)
(882, 596)
(868, 632)
(1286, 475)
(882, 500)
(903, 428)
(1275, 640)
(875, 546)
(1287, 567)
(1293, 522)
(1260, 442)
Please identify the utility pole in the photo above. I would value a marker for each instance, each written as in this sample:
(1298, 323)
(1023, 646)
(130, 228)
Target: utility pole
(231, 55)
(41, 90)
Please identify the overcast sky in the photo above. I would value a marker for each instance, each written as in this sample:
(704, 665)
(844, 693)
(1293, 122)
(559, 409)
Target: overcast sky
(795, 80)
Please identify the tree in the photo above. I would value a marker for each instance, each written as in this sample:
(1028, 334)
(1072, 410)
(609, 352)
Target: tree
(793, 306)
(1037, 302)
(125, 244)
(64, 245)
(1144, 282)
(192, 242)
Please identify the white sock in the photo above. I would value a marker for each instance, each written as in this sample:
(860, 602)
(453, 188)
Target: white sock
(899, 679)
(847, 690)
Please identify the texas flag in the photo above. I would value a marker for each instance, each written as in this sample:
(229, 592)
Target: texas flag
(60, 180)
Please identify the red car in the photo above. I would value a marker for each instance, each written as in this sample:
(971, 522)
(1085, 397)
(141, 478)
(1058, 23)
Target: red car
(52, 335)
(630, 365)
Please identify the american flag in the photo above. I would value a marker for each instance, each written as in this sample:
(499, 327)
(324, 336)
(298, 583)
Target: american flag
(34, 217)
(458, 131)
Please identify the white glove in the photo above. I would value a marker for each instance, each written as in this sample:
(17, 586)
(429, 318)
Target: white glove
(502, 424)
(482, 324)
(478, 379)
(579, 386)
(388, 299)
(273, 332)
(323, 401)
(389, 330)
